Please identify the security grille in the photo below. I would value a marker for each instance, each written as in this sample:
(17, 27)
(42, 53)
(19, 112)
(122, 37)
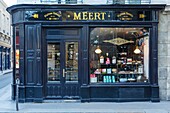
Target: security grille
(128, 1)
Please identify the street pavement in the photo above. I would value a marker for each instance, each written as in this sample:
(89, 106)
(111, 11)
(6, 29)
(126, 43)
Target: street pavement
(92, 107)
(5, 79)
(9, 106)
(67, 106)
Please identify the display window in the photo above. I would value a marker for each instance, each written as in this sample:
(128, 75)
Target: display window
(119, 55)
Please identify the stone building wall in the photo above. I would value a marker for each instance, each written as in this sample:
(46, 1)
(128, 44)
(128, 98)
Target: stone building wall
(164, 54)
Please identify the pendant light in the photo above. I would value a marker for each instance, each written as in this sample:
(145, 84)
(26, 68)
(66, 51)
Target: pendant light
(137, 50)
(98, 50)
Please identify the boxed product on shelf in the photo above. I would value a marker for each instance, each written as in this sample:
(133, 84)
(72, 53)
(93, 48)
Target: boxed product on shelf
(129, 60)
(104, 71)
(113, 79)
(114, 70)
(93, 79)
(109, 70)
(108, 79)
(97, 71)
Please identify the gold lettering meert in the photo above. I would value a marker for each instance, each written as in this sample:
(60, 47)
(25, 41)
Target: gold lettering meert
(77, 17)
(89, 15)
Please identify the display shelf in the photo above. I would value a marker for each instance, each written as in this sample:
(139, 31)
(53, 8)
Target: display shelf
(116, 77)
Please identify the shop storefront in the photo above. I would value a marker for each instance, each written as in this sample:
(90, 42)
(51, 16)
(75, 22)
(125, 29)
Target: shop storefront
(5, 62)
(91, 53)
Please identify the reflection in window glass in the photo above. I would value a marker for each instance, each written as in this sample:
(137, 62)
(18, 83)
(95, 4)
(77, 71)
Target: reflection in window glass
(71, 1)
(53, 52)
(119, 55)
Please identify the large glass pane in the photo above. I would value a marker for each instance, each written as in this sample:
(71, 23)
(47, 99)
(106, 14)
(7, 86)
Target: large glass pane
(71, 66)
(53, 69)
(119, 55)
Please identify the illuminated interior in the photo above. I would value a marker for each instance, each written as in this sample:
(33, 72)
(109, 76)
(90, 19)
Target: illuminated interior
(119, 55)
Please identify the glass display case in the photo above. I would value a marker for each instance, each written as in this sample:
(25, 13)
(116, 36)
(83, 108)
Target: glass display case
(119, 55)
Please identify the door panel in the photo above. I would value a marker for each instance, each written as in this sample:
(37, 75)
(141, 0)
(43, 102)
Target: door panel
(54, 73)
(62, 69)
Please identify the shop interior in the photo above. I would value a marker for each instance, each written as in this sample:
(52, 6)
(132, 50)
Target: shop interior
(119, 55)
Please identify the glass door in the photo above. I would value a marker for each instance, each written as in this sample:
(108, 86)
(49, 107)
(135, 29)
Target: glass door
(71, 62)
(63, 69)
(53, 62)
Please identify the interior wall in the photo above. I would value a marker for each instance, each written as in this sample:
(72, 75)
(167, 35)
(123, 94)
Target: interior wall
(146, 56)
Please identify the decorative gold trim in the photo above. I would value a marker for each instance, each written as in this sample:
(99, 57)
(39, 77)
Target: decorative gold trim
(142, 16)
(118, 41)
(35, 16)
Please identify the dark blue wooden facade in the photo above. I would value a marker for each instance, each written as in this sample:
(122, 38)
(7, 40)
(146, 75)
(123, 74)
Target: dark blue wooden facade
(33, 34)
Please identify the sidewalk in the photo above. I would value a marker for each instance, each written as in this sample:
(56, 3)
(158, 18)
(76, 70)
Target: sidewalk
(93, 107)
(53, 106)
(5, 72)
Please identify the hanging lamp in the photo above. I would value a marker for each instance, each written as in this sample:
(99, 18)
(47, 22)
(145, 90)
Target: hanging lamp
(98, 50)
(137, 50)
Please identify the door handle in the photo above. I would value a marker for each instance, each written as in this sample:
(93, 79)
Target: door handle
(64, 72)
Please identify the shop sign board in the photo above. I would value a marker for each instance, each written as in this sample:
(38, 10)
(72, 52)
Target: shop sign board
(88, 15)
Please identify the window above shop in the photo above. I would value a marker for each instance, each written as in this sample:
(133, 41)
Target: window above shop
(62, 1)
(119, 55)
(97, 1)
(128, 1)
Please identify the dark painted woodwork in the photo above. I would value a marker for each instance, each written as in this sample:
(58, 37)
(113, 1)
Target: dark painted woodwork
(30, 52)
(155, 93)
(154, 57)
(22, 55)
(33, 56)
(22, 63)
(70, 91)
(18, 11)
(62, 89)
(13, 85)
(85, 51)
(92, 7)
(30, 63)
(91, 15)
(115, 93)
(18, 17)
